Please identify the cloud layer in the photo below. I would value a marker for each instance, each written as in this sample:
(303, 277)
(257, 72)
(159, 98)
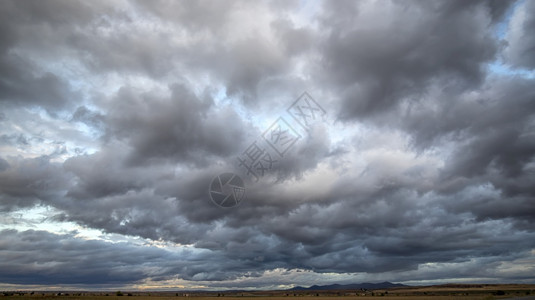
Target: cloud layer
(116, 116)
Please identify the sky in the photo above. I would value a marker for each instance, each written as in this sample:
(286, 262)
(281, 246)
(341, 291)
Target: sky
(265, 144)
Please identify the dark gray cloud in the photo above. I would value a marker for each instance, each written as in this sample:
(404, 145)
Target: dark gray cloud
(40, 257)
(31, 26)
(201, 15)
(64, 259)
(491, 130)
(183, 127)
(26, 182)
(396, 52)
(46, 90)
(88, 117)
(422, 170)
(521, 43)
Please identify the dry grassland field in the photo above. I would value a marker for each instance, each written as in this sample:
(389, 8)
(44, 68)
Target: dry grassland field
(274, 297)
(509, 291)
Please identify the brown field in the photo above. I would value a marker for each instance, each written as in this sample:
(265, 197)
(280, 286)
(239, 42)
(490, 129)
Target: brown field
(274, 297)
(450, 291)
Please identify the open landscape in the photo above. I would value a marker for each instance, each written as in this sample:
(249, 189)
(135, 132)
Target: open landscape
(267, 149)
(447, 291)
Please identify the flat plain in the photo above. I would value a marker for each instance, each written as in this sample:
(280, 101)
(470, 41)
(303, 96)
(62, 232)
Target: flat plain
(438, 292)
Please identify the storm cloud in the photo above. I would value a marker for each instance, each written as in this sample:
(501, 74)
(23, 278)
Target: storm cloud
(116, 116)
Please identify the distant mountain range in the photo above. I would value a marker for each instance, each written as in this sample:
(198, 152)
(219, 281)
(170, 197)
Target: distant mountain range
(353, 286)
